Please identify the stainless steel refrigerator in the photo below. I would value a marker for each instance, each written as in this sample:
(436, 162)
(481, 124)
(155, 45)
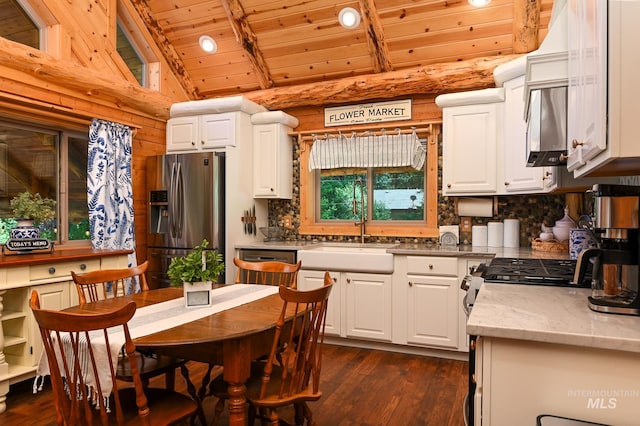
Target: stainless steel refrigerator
(186, 205)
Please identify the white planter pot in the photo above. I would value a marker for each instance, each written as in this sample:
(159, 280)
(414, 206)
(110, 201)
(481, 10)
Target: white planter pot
(197, 294)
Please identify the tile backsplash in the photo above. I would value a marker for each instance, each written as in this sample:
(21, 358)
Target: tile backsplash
(529, 209)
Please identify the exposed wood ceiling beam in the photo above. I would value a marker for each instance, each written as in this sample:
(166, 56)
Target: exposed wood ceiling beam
(431, 79)
(526, 25)
(378, 48)
(248, 40)
(168, 51)
(85, 81)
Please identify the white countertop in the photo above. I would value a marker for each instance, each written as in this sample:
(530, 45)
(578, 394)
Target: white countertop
(550, 314)
(416, 249)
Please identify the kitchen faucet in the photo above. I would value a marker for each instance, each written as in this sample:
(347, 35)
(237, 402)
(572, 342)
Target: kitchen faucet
(363, 217)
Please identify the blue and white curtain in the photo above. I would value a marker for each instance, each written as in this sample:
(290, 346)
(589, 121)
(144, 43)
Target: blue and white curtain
(109, 189)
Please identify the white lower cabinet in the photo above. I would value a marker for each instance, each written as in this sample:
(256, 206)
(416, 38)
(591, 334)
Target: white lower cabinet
(55, 297)
(359, 304)
(432, 301)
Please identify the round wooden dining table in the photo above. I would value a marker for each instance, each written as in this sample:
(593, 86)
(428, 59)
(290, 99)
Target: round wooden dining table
(232, 338)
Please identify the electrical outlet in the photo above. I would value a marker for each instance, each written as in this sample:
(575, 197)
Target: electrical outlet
(465, 224)
(287, 222)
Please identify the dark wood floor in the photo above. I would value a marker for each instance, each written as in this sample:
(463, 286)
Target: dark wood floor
(360, 387)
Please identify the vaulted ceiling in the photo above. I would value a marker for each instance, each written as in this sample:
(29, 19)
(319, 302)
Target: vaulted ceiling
(264, 44)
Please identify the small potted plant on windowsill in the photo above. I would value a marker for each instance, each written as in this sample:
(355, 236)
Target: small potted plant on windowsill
(195, 272)
(29, 209)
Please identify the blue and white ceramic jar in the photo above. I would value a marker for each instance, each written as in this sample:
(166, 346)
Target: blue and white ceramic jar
(25, 231)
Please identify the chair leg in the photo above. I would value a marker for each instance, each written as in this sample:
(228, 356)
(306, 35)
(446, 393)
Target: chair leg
(170, 380)
(217, 412)
(191, 389)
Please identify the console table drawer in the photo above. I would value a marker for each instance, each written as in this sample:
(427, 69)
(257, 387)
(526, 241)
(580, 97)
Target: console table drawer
(57, 270)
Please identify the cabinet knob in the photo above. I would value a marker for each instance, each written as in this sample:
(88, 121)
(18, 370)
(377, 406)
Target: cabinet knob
(410, 284)
(575, 143)
(83, 266)
(506, 184)
(335, 280)
(430, 266)
(201, 142)
(193, 144)
(271, 189)
(348, 280)
(547, 175)
(448, 185)
(563, 157)
(472, 345)
(52, 270)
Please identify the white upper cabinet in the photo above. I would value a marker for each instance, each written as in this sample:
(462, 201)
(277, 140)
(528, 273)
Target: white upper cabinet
(471, 133)
(587, 81)
(204, 132)
(209, 124)
(272, 154)
(604, 95)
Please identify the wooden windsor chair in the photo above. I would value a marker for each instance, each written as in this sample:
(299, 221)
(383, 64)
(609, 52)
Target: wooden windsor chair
(98, 285)
(294, 382)
(268, 273)
(81, 377)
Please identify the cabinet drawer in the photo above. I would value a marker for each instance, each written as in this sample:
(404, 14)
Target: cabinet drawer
(63, 269)
(432, 265)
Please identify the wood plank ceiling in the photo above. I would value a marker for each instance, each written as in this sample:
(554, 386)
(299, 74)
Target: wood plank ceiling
(264, 44)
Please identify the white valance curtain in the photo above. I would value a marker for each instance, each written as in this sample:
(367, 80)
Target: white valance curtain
(109, 189)
(367, 150)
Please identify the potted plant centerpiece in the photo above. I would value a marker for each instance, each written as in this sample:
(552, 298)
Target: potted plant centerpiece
(195, 272)
(30, 209)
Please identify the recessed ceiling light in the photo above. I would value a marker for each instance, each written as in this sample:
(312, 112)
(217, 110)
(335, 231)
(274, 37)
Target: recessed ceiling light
(349, 18)
(479, 3)
(208, 44)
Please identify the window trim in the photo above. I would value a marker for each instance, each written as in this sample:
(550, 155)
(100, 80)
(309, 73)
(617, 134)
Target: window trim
(63, 133)
(418, 229)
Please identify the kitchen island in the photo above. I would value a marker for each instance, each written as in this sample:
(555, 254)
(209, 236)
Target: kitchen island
(541, 350)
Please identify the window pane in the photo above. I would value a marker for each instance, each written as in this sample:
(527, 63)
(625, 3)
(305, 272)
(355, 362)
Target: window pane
(338, 193)
(130, 56)
(28, 162)
(17, 25)
(78, 211)
(398, 194)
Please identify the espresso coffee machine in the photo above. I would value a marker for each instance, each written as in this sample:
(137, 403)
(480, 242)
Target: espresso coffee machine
(614, 285)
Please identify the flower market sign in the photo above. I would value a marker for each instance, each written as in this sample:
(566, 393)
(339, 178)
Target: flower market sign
(368, 113)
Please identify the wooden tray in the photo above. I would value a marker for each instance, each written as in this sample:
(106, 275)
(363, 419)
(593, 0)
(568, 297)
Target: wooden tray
(550, 246)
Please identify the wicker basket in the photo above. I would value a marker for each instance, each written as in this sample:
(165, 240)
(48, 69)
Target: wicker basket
(550, 246)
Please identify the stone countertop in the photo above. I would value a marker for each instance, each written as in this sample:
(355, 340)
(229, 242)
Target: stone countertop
(416, 249)
(552, 315)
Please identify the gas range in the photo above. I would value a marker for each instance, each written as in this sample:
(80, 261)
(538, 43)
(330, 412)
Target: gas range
(552, 272)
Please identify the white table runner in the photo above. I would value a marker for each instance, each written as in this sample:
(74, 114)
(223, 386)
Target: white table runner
(155, 318)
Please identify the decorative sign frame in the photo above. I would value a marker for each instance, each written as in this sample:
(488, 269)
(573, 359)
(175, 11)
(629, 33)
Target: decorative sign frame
(27, 246)
(368, 113)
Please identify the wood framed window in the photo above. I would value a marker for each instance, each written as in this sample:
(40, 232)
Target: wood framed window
(398, 201)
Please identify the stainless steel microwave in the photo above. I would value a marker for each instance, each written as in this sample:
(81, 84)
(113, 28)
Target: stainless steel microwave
(547, 127)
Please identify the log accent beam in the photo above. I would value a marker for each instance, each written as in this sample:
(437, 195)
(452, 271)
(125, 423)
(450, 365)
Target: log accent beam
(248, 40)
(88, 83)
(431, 79)
(170, 55)
(378, 48)
(526, 25)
